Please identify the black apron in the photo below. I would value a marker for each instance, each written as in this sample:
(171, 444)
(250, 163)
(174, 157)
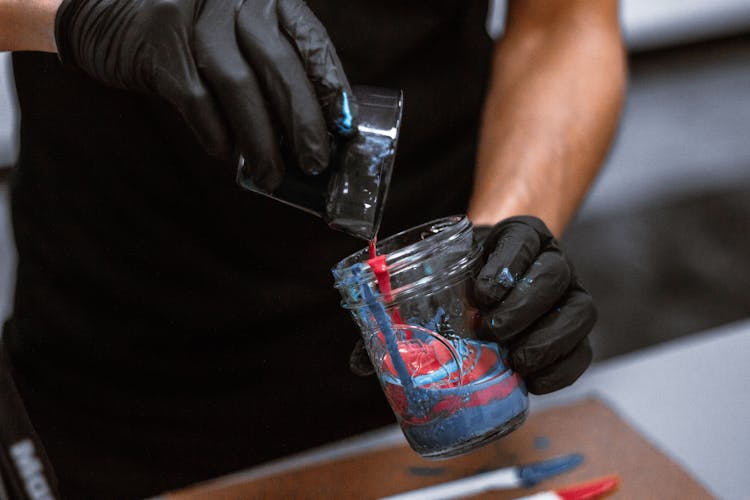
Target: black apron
(165, 329)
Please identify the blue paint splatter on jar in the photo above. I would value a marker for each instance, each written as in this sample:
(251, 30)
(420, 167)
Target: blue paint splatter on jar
(450, 391)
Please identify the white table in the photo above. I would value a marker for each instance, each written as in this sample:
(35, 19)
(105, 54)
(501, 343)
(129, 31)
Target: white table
(690, 397)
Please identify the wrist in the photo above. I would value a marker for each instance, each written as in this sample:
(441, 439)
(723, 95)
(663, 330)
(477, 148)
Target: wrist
(490, 219)
(490, 211)
(28, 25)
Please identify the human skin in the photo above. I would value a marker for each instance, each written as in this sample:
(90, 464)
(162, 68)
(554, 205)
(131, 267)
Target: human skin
(28, 25)
(552, 108)
(551, 111)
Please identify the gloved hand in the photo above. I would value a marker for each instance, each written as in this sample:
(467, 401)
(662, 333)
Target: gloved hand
(240, 72)
(532, 302)
(359, 360)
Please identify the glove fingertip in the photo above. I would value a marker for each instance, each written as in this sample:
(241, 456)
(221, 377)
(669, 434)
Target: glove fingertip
(314, 162)
(483, 292)
(489, 289)
(499, 328)
(359, 361)
(361, 370)
(266, 178)
(519, 362)
(564, 373)
(214, 140)
(272, 180)
(221, 148)
(269, 179)
(63, 18)
(480, 234)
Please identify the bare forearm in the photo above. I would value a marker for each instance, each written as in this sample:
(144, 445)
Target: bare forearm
(551, 112)
(28, 25)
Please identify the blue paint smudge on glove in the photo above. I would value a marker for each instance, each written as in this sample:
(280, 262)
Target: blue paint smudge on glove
(344, 123)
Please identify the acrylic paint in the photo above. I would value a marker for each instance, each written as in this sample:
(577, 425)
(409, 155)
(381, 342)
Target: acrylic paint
(344, 122)
(379, 267)
(442, 406)
(439, 411)
(450, 391)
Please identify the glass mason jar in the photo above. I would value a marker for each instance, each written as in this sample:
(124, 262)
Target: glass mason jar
(451, 392)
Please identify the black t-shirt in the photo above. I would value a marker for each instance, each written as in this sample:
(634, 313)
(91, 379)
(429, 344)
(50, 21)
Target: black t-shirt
(169, 326)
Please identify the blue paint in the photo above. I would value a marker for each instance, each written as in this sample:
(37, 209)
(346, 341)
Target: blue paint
(354, 288)
(454, 419)
(457, 432)
(384, 325)
(505, 278)
(541, 443)
(433, 323)
(446, 420)
(427, 471)
(344, 123)
(532, 474)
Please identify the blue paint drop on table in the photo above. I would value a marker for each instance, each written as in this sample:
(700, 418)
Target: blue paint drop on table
(541, 443)
(426, 471)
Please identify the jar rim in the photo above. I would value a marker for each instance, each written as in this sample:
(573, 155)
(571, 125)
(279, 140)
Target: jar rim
(433, 238)
(451, 227)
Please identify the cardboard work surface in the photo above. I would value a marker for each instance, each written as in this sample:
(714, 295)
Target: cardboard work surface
(608, 444)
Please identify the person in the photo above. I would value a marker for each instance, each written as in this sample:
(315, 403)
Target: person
(168, 326)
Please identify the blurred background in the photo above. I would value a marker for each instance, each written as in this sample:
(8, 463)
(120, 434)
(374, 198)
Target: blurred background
(663, 239)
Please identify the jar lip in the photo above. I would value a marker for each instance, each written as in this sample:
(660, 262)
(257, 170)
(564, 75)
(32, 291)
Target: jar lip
(452, 227)
(455, 225)
(413, 246)
(461, 268)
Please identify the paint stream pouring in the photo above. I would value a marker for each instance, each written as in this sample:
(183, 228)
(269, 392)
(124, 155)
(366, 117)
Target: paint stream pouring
(523, 476)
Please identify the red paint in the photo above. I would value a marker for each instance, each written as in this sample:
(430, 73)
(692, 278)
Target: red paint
(425, 359)
(380, 268)
(592, 489)
(373, 247)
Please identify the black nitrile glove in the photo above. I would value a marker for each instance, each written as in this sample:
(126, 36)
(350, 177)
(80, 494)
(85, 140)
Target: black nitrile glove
(359, 360)
(532, 302)
(234, 69)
